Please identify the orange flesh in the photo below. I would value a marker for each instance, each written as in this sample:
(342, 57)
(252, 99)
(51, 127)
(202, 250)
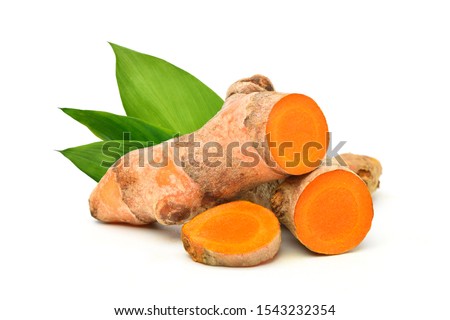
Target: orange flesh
(234, 228)
(297, 122)
(334, 213)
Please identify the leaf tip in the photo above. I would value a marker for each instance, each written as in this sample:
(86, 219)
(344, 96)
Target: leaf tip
(68, 111)
(114, 46)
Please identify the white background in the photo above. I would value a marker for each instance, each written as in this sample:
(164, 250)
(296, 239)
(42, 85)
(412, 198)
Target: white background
(381, 74)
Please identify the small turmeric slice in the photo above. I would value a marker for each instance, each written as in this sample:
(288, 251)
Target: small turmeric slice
(235, 234)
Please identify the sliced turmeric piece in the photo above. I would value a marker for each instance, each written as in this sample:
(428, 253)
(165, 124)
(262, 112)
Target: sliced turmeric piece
(235, 234)
(329, 211)
(297, 122)
(137, 191)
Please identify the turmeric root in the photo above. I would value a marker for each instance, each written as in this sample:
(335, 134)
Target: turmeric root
(329, 210)
(236, 234)
(172, 182)
(333, 199)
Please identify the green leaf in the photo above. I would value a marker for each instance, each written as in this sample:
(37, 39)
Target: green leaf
(94, 159)
(109, 126)
(162, 94)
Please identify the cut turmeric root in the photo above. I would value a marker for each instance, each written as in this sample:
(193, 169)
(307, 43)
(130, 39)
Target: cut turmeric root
(305, 139)
(330, 210)
(236, 234)
(172, 182)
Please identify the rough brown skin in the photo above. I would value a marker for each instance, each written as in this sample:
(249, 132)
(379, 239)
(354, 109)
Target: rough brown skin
(136, 192)
(367, 168)
(261, 245)
(257, 83)
(261, 194)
